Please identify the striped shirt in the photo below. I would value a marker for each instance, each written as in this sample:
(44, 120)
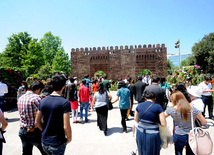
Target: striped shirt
(27, 106)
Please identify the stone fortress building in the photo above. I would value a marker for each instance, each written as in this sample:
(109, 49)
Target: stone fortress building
(119, 62)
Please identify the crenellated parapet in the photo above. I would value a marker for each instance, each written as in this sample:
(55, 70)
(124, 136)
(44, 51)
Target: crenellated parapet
(131, 47)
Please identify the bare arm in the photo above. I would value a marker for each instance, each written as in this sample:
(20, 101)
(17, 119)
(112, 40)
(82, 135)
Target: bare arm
(162, 119)
(38, 120)
(3, 123)
(116, 100)
(93, 102)
(201, 118)
(130, 103)
(110, 97)
(136, 116)
(67, 127)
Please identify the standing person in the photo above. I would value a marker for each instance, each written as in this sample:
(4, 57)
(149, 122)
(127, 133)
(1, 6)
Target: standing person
(53, 119)
(3, 127)
(182, 88)
(207, 96)
(181, 114)
(70, 93)
(106, 83)
(146, 79)
(150, 80)
(159, 92)
(130, 87)
(27, 106)
(164, 84)
(125, 103)
(94, 86)
(88, 82)
(3, 91)
(84, 101)
(22, 89)
(148, 115)
(138, 89)
(99, 100)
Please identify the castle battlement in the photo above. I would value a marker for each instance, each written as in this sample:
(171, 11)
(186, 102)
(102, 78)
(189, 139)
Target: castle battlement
(111, 48)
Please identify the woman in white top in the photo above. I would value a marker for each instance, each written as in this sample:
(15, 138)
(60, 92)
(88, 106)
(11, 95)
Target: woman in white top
(99, 99)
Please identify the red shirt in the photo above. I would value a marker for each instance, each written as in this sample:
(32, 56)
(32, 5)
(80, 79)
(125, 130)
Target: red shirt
(95, 86)
(84, 93)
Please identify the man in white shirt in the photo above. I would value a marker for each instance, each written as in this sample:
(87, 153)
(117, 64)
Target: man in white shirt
(3, 91)
(146, 79)
(207, 96)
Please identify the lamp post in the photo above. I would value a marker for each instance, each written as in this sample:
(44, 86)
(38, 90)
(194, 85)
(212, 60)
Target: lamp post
(177, 45)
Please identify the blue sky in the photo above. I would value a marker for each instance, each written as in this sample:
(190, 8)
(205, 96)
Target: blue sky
(97, 23)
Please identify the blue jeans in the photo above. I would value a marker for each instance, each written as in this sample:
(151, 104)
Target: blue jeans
(2, 104)
(29, 139)
(50, 150)
(84, 105)
(181, 141)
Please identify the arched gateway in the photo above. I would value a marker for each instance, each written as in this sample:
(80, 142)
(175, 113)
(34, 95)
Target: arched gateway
(118, 63)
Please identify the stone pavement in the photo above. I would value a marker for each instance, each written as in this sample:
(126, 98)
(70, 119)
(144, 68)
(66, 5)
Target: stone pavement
(87, 139)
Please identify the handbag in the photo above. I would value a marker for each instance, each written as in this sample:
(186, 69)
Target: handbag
(199, 140)
(109, 104)
(165, 136)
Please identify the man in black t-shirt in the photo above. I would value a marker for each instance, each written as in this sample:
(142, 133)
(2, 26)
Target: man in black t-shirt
(55, 110)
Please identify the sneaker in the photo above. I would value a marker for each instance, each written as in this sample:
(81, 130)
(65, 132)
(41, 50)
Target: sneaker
(86, 120)
(211, 117)
(80, 120)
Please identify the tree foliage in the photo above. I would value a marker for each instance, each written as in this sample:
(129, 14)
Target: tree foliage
(203, 53)
(61, 62)
(50, 45)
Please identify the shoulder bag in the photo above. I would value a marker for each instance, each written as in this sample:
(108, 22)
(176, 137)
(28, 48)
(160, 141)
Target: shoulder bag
(199, 140)
(109, 104)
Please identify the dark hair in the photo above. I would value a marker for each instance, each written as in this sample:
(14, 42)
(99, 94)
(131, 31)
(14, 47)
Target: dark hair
(87, 76)
(84, 82)
(95, 81)
(25, 84)
(129, 79)
(36, 85)
(155, 79)
(207, 78)
(101, 88)
(58, 82)
(121, 84)
(71, 80)
(162, 81)
(105, 77)
(35, 79)
(181, 87)
(149, 95)
(139, 78)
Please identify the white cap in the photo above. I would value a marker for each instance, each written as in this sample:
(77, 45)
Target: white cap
(195, 91)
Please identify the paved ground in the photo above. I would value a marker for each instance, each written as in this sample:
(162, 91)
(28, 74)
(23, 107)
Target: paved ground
(87, 138)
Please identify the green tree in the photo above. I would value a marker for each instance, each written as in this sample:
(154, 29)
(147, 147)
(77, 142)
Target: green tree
(17, 47)
(45, 72)
(34, 58)
(51, 45)
(145, 71)
(190, 60)
(203, 53)
(183, 63)
(61, 62)
(169, 66)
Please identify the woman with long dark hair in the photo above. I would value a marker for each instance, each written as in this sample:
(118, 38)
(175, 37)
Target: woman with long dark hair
(182, 88)
(181, 114)
(99, 99)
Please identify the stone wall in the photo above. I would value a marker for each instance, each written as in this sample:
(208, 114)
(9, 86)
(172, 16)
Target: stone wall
(119, 62)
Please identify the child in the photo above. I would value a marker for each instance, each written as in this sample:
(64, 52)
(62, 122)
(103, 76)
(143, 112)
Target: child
(90, 100)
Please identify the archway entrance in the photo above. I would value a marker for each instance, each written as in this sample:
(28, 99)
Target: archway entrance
(144, 72)
(99, 74)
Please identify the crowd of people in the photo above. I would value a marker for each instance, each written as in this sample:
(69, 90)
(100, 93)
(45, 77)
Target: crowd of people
(45, 110)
